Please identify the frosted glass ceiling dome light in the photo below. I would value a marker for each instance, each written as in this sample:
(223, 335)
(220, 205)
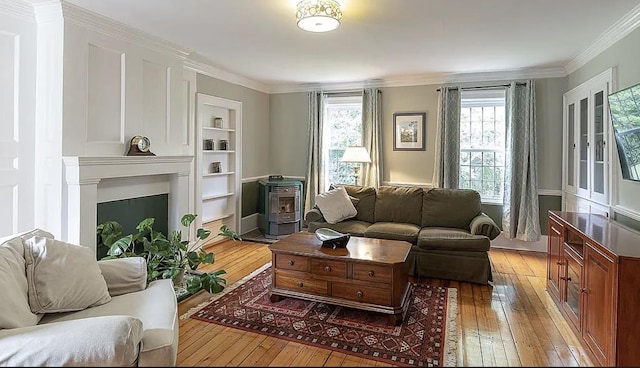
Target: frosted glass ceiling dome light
(318, 15)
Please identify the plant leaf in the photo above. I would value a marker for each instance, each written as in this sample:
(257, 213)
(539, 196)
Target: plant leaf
(146, 224)
(187, 219)
(203, 234)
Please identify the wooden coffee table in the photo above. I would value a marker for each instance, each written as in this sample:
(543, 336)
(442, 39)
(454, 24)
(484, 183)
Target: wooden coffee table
(369, 274)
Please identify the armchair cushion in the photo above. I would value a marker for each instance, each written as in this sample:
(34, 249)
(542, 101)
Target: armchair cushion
(14, 304)
(91, 342)
(62, 277)
(124, 275)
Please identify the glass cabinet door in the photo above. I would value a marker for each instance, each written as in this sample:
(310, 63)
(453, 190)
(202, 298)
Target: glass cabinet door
(598, 164)
(571, 145)
(583, 180)
(572, 279)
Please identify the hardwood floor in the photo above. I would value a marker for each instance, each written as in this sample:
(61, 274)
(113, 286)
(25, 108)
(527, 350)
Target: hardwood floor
(513, 322)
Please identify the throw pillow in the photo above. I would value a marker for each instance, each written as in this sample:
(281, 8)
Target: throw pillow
(62, 277)
(14, 304)
(335, 205)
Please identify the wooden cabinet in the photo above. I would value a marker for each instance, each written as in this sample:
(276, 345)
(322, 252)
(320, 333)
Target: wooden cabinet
(218, 177)
(593, 273)
(586, 178)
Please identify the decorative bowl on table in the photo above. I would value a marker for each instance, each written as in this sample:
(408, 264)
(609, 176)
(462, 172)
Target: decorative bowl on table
(331, 238)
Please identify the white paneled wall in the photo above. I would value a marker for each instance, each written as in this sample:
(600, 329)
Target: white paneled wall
(118, 84)
(17, 118)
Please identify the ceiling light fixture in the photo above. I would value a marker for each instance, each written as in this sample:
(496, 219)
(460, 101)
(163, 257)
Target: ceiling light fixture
(318, 15)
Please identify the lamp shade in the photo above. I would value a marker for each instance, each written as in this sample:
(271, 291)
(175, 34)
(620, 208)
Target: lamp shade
(318, 15)
(356, 154)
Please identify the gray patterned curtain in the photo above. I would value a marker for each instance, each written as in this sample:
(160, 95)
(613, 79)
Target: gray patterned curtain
(314, 179)
(371, 139)
(447, 160)
(520, 204)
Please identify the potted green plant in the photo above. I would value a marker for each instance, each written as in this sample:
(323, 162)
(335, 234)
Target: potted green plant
(167, 257)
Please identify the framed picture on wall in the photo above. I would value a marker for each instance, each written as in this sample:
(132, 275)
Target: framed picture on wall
(409, 131)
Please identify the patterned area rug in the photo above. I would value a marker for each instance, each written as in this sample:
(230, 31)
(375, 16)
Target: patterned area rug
(426, 337)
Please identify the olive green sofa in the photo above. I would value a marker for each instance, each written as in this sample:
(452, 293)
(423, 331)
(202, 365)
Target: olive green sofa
(449, 233)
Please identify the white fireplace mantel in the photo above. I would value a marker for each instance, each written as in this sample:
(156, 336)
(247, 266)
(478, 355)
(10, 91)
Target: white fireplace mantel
(83, 174)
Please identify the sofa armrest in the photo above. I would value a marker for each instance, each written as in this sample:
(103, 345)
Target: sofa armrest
(124, 275)
(73, 343)
(484, 225)
(314, 215)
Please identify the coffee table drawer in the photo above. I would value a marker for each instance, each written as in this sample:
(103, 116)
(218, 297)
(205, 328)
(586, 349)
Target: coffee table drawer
(367, 272)
(322, 267)
(291, 262)
(301, 284)
(361, 293)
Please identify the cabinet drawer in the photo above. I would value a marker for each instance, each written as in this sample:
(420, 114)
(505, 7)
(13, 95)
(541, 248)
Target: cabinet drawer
(322, 267)
(291, 262)
(360, 293)
(375, 273)
(301, 284)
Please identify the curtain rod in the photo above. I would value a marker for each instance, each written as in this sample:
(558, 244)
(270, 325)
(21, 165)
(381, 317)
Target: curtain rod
(485, 87)
(344, 93)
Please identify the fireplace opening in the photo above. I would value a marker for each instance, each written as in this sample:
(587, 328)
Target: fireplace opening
(129, 212)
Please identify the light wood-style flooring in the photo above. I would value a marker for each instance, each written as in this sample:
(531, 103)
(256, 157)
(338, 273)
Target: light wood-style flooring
(513, 322)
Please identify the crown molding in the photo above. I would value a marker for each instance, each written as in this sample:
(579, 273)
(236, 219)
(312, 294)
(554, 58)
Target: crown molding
(420, 80)
(18, 8)
(613, 34)
(48, 11)
(107, 26)
(200, 64)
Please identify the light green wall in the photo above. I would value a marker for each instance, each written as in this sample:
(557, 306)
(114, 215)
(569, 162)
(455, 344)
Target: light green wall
(289, 124)
(624, 55)
(289, 142)
(255, 122)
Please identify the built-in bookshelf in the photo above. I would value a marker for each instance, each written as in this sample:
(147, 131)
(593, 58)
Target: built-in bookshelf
(218, 178)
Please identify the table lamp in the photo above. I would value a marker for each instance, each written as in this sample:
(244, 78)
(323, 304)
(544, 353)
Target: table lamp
(357, 154)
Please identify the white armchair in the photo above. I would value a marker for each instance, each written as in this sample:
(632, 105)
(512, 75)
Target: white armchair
(137, 327)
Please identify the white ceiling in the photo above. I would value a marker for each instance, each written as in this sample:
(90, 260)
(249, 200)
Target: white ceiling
(378, 40)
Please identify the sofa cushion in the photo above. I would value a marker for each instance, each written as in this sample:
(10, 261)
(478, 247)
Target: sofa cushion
(450, 207)
(14, 303)
(353, 227)
(439, 238)
(366, 201)
(399, 204)
(335, 205)
(62, 277)
(393, 231)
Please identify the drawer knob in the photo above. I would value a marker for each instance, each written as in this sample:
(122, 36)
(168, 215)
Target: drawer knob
(300, 284)
(559, 262)
(562, 278)
(290, 263)
(371, 273)
(583, 290)
(359, 294)
(328, 269)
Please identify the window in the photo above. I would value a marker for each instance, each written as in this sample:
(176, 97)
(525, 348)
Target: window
(342, 128)
(482, 143)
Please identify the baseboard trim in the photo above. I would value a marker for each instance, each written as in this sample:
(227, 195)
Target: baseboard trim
(248, 223)
(503, 243)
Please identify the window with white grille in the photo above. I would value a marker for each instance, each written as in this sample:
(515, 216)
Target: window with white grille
(482, 143)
